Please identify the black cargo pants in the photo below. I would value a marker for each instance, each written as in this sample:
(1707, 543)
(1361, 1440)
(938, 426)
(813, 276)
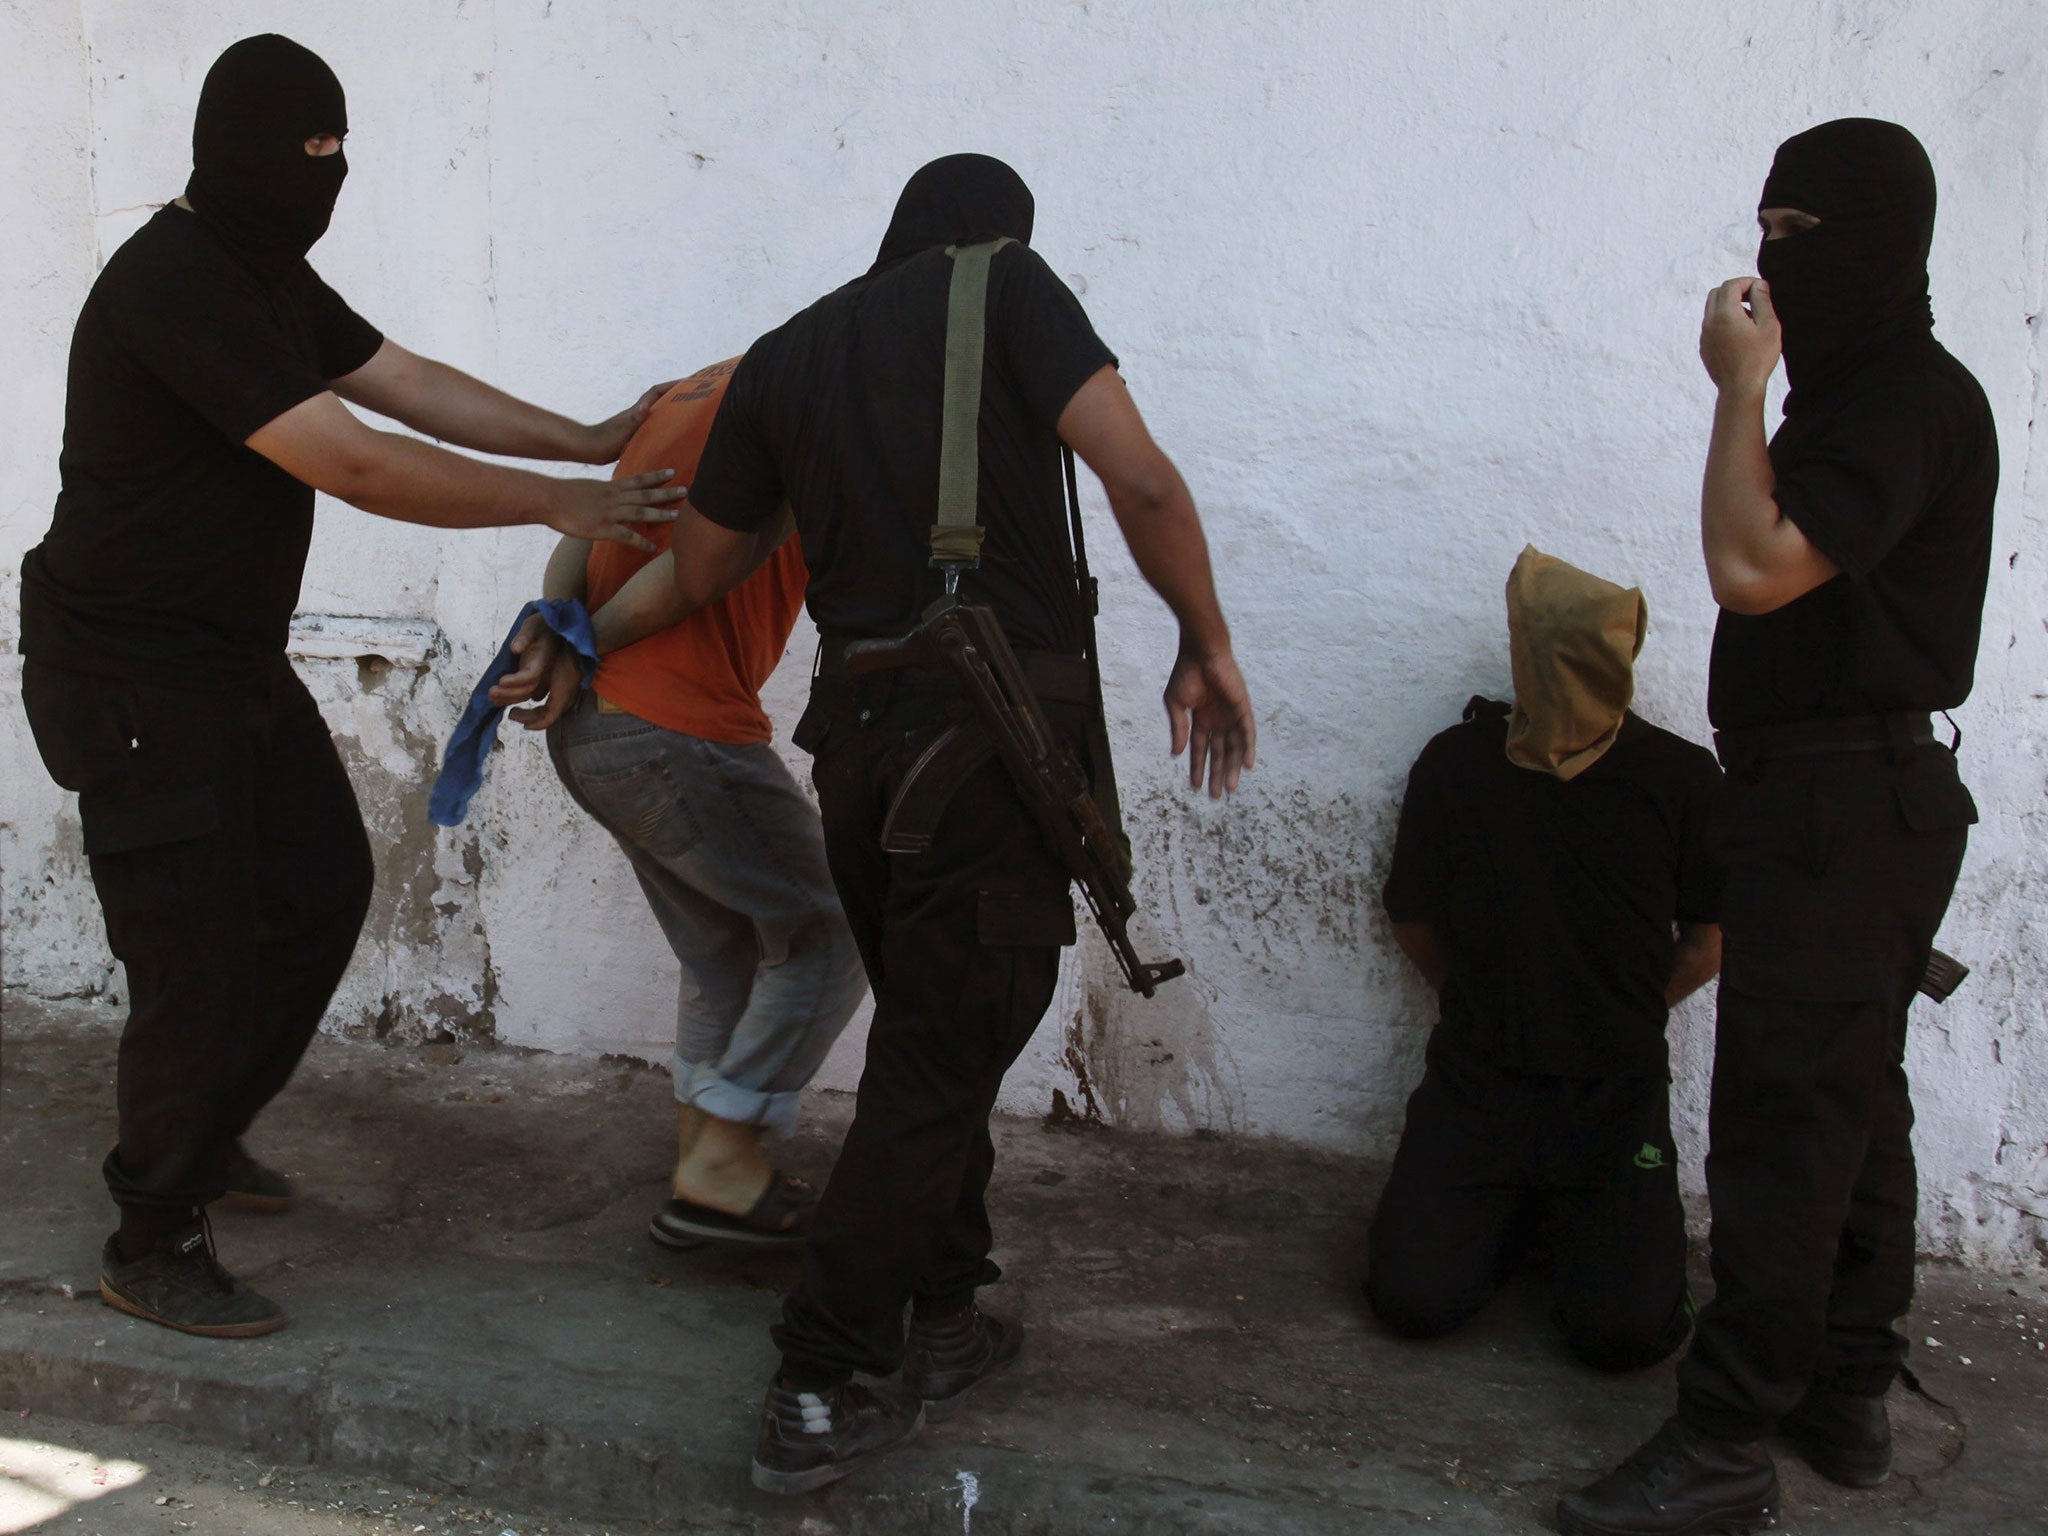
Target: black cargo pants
(962, 947)
(234, 875)
(1839, 870)
(1488, 1160)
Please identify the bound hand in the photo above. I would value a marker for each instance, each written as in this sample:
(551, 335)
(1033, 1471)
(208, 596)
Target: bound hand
(536, 646)
(564, 681)
(1210, 715)
(611, 509)
(608, 438)
(1739, 345)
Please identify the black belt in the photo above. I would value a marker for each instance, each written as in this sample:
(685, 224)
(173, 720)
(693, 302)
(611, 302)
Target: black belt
(1054, 677)
(1897, 734)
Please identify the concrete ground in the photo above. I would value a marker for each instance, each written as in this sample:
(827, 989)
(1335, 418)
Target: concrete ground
(64, 1475)
(479, 1325)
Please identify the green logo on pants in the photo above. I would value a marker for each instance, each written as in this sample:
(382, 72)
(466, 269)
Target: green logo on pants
(1650, 1157)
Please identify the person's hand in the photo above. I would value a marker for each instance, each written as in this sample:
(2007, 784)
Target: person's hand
(1210, 716)
(1740, 346)
(536, 646)
(560, 688)
(611, 509)
(608, 438)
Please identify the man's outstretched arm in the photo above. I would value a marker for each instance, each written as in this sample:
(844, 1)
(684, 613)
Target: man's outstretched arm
(453, 407)
(320, 442)
(1207, 707)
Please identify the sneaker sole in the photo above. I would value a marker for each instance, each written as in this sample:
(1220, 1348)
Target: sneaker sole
(262, 1205)
(1732, 1523)
(680, 1242)
(768, 1480)
(262, 1325)
(678, 1235)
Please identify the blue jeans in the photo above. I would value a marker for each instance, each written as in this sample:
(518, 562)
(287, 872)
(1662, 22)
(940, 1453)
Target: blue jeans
(732, 860)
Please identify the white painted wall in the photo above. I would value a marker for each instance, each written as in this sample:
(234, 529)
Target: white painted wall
(1402, 287)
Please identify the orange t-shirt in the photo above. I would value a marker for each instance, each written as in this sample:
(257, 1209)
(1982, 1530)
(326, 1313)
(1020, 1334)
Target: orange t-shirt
(701, 677)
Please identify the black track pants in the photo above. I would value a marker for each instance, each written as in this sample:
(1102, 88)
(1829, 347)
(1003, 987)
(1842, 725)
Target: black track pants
(962, 948)
(1487, 1159)
(1840, 869)
(233, 873)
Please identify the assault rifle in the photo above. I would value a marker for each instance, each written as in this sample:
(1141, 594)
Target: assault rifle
(965, 641)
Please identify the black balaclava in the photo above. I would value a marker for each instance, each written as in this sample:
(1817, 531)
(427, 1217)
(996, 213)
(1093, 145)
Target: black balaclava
(1856, 283)
(252, 180)
(957, 200)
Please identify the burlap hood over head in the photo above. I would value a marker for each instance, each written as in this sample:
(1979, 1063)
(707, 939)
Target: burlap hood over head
(1573, 640)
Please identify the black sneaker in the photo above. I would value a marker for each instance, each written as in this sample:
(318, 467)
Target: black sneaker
(253, 1187)
(809, 1439)
(1845, 1437)
(946, 1359)
(1678, 1483)
(180, 1283)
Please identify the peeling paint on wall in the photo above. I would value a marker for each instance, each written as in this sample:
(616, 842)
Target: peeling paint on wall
(422, 969)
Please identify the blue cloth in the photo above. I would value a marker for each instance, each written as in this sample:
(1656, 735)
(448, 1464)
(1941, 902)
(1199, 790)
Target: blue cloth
(462, 764)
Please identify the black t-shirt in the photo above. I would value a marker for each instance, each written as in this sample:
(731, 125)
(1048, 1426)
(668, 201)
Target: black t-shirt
(1891, 475)
(1554, 901)
(838, 410)
(176, 553)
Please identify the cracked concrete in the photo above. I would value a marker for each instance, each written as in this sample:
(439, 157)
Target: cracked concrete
(476, 1314)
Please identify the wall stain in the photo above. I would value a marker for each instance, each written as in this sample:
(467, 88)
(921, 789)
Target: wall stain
(422, 969)
(1146, 1065)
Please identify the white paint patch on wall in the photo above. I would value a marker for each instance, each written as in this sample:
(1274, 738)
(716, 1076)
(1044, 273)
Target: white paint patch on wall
(48, 920)
(1400, 288)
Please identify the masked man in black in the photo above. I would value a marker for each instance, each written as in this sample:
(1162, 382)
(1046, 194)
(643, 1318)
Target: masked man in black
(208, 370)
(837, 415)
(1554, 880)
(1850, 559)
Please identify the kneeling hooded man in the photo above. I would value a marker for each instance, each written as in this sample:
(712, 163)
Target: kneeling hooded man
(1553, 882)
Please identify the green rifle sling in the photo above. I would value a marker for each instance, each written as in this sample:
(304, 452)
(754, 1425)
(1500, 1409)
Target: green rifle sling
(956, 536)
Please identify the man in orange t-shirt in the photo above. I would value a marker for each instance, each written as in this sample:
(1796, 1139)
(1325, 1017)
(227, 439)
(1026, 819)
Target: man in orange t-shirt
(669, 750)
